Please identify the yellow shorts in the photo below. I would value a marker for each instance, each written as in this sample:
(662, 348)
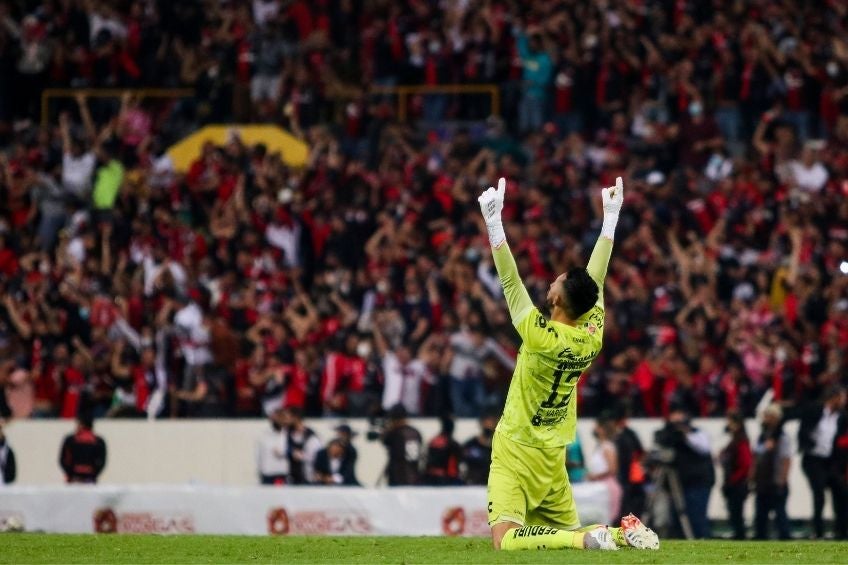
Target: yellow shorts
(529, 486)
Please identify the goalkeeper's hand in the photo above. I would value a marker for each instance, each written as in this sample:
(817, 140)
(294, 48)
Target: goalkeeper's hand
(491, 204)
(612, 198)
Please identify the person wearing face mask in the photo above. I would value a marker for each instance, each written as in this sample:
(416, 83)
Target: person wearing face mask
(477, 452)
(736, 461)
(272, 453)
(699, 137)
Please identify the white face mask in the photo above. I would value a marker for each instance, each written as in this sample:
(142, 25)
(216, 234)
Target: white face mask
(363, 349)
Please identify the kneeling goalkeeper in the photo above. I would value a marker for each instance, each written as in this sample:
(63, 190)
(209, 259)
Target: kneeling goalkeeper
(530, 500)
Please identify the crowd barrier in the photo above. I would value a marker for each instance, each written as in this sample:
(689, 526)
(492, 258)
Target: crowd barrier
(169, 509)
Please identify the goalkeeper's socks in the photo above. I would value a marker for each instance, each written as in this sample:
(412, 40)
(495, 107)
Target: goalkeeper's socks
(617, 534)
(541, 537)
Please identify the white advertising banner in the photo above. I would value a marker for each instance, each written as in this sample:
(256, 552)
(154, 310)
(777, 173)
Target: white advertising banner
(413, 511)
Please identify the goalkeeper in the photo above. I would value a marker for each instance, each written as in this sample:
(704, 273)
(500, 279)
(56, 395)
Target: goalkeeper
(530, 500)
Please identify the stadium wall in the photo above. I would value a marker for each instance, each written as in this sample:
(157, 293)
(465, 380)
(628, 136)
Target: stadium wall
(221, 452)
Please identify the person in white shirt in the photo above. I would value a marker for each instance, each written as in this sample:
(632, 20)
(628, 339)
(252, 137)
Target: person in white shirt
(808, 173)
(77, 164)
(820, 425)
(602, 465)
(404, 376)
(272, 451)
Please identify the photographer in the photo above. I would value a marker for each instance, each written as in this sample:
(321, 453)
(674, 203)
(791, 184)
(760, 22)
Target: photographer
(403, 443)
(688, 458)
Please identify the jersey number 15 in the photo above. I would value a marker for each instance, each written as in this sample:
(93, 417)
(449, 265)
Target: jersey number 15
(569, 379)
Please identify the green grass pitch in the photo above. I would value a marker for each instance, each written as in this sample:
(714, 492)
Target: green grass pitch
(46, 548)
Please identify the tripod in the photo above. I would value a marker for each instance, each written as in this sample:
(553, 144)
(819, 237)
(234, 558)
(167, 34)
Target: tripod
(667, 476)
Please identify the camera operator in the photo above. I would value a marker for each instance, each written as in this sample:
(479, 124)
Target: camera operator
(403, 443)
(689, 458)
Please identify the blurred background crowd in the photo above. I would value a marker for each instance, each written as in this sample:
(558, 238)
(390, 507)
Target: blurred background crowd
(364, 279)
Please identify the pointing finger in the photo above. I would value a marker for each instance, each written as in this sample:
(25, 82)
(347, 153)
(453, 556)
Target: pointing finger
(501, 186)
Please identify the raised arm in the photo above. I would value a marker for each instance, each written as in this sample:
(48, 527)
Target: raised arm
(597, 268)
(517, 299)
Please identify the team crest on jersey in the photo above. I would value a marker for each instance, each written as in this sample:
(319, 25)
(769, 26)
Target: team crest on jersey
(591, 328)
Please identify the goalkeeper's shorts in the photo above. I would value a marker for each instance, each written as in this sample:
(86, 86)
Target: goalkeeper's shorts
(529, 486)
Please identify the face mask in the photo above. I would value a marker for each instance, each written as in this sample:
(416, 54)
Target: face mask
(695, 109)
(363, 349)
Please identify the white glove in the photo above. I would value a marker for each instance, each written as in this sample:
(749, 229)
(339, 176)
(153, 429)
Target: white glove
(491, 204)
(612, 198)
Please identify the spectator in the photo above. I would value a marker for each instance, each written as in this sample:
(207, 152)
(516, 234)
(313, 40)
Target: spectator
(8, 468)
(443, 458)
(272, 451)
(331, 467)
(537, 75)
(631, 472)
(83, 453)
(477, 452)
(773, 457)
(575, 463)
(303, 447)
(602, 465)
(403, 443)
(821, 424)
(345, 435)
(468, 351)
(691, 459)
(406, 379)
(736, 461)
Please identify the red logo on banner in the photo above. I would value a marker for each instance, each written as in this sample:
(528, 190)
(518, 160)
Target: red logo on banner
(453, 521)
(106, 521)
(280, 522)
(457, 521)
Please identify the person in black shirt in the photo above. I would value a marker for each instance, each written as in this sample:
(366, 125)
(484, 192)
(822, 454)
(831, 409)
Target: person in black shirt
(403, 443)
(443, 456)
(83, 454)
(631, 473)
(331, 467)
(692, 462)
(8, 468)
(477, 452)
(303, 447)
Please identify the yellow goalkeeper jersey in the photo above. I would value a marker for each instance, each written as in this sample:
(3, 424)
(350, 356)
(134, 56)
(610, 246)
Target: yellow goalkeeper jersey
(541, 406)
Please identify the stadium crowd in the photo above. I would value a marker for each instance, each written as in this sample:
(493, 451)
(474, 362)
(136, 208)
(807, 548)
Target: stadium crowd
(364, 279)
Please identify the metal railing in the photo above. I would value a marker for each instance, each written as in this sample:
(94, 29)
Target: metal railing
(55, 93)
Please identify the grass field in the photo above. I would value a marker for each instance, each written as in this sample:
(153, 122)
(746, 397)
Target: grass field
(44, 548)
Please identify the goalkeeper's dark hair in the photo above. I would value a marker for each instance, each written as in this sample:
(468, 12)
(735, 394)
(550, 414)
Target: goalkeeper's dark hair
(581, 293)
